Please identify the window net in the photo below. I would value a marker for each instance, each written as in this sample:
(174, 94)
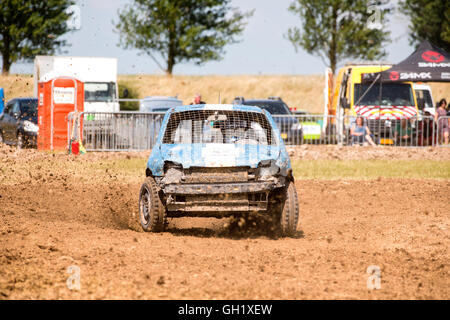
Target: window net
(219, 126)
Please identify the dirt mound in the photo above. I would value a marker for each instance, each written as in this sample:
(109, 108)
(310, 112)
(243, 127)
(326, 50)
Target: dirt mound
(104, 205)
(335, 152)
(55, 186)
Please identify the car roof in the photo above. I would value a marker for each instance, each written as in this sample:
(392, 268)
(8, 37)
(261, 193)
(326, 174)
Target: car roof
(21, 99)
(161, 98)
(219, 107)
(421, 86)
(262, 100)
(25, 98)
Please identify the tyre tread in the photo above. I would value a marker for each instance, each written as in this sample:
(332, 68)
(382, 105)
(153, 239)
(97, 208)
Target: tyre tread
(158, 215)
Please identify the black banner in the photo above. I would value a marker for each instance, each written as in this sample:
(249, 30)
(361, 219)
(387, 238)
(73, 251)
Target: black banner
(221, 309)
(427, 64)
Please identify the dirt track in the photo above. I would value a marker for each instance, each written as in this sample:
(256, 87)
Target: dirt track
(51, 219)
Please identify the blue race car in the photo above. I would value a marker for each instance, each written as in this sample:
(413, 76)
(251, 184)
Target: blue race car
(217, 161)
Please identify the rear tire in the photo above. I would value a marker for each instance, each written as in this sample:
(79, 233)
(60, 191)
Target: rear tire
(152, 213)
(1, 137)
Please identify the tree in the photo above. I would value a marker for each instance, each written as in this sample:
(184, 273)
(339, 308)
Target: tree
(180, 30)
(430, 20)
(339, 29)
(31, 27)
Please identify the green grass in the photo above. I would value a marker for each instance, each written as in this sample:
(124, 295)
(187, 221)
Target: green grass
(370, 169)
(324, 169)
(128, 167)
(133, 169)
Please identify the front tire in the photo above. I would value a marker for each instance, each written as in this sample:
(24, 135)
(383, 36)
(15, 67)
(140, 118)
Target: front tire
(284, 210)
(289, 213)
(152, 213)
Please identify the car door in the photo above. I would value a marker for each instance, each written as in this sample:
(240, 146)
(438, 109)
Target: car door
(3, 118)
(14, 121)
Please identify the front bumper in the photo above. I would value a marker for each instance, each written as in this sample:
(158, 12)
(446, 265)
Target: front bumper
(219, 188)
(217, 199)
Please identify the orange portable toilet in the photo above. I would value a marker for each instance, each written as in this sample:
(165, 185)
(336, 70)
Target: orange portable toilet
(58, 96)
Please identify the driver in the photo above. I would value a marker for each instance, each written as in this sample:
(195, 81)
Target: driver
(212, 131)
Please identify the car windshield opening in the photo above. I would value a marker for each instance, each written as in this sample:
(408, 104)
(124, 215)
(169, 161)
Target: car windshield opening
(99, 91)
(392, 94)
(271, 107)
(29, 107)
(219, 126)
(160, 109)
(158, 105)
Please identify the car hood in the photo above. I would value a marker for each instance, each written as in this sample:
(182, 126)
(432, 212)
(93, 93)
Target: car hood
(218, 154)
(310, 123)
(285, 119)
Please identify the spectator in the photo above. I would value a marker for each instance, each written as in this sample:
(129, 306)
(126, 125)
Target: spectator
(442, 123)
(360, 133)
(403, 131)
(426, 130)
(198, 99)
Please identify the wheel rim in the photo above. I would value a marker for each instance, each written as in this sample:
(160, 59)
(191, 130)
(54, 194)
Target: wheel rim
(145, 206)
(19, 141)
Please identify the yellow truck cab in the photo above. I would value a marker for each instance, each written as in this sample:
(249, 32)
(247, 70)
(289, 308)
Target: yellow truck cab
(382, 106)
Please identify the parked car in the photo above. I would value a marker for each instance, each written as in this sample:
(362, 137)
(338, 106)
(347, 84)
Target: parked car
(298, 111)
(2, 100)
(215, 161)
(311, 125)
(18, 123)
(159, 104)
(287, 123)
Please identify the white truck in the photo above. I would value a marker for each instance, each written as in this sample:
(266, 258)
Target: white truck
(99, 76)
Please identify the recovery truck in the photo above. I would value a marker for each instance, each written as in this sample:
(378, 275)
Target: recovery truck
(382, 105)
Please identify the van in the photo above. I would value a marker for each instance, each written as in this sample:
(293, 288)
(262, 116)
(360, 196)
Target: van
(381, 105)
(99, 75)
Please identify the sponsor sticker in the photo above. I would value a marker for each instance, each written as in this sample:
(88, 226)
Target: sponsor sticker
(64, 95)
(445, 75)
(219, 155)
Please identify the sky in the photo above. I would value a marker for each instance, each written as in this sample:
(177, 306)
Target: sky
(263, 47)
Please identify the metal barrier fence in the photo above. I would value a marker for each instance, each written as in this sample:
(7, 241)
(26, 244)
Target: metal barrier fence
(125, 131)
(119, 131)
(317, 129)
(443, 131)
